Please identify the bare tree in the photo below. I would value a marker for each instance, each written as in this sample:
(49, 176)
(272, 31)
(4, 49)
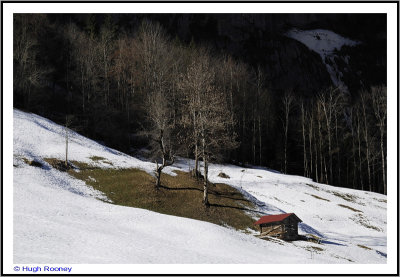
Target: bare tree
(28, 72)
(358, 130)
(206, 113)
(155, 48)
(380, 110)
(193, 83)
(365, 97)
(68, 123)
(106, 43)
(303, 131)
(160, 132)
(287, 102)
(310, 124)
(322, 159)
(260, 84)
(329, 102)
(214, 123)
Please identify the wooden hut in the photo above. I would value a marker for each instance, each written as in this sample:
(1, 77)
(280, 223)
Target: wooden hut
(283, 226)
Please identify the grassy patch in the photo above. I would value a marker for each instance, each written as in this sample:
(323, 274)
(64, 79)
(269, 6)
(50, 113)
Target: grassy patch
(350, 208)
(96, 158)
(314, 248)
(319, 197)
(100, 159)
(363, 221)
(363, 246)
(271, 239)
(313, 186)
(179, 195)
(345, 196)
(58, 164)
(381, 200)
(343, 258)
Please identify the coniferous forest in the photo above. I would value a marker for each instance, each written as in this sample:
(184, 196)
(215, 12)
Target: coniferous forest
(177, 85)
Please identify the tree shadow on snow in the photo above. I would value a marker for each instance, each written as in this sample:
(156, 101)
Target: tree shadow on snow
(331, 242)
(237, 208)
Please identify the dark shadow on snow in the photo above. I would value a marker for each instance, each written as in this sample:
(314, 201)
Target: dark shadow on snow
(331, 242)
(381, 253)
(237, 208)
(310, 230)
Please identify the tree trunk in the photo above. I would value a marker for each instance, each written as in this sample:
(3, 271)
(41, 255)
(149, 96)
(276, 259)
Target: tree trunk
(338, 162)
(66, 147)
(196, 161)
(383, 163)
(310, 137)
(205, 190)
(305, 172)
(354, 154)
(359, 152)
(316, 159)
(254, 138)
(259, 139)
(205, 195)
(158, 175)
(366, 138)
(320, 149)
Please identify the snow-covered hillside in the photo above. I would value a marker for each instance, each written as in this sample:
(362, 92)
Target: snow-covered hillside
(58, 219)
(325, 43)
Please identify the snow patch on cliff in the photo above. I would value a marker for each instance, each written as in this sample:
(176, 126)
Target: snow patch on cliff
(326, 43)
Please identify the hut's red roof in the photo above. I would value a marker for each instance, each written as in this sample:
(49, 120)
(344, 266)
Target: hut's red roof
(273, 218)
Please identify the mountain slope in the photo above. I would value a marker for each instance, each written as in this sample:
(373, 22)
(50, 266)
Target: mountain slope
(325, 43)
(59, 219)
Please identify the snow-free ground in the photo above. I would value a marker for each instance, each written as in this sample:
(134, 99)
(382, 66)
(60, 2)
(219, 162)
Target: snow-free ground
(59, 219)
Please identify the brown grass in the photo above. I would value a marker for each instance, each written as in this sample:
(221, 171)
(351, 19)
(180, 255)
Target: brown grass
(96, 158)
(381, 200)
(100, 159)
(313, 186)
(344, 196)
(350, 208)
(363, 246)
(319, 197)
(363, 221)
(179, 195)
(314, 248)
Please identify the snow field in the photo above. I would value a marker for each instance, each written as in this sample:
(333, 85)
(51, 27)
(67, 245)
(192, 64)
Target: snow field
(58, 219)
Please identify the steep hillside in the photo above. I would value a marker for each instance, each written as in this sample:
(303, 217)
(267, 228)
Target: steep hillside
(60, 219)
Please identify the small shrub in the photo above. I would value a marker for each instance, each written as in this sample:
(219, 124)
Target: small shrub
(33, 163)
(59, 165)
(223, 175)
